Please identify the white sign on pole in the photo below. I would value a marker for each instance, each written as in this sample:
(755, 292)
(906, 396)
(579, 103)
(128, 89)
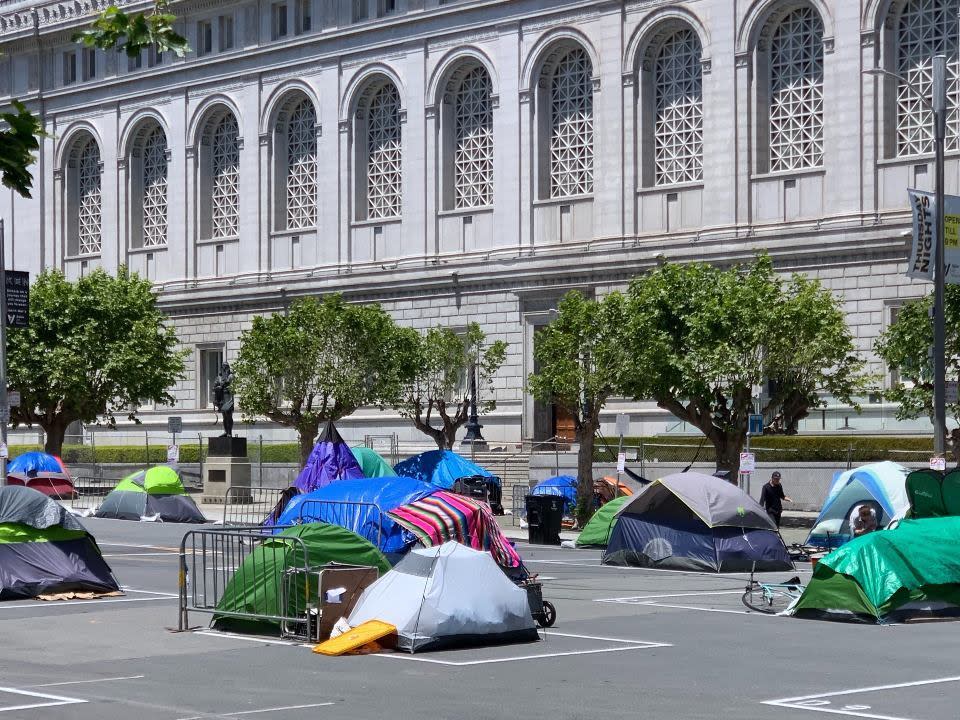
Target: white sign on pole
(4, 451)
(938, 463)
(621, 462)
(13, 398)
(950, 392)
(748, 462)
(924, 246)
(173, 453)
(623, 424)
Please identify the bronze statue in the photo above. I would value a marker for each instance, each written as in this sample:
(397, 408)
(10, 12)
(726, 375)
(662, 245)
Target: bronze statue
(223, 398)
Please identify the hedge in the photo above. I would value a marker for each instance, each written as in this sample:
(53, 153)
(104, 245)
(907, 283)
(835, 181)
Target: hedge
(105, 454)
(777, 448)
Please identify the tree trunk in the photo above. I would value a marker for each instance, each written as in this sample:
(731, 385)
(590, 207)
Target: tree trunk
(54, 435)
(728, 451)
(585, 438)
(307, 435)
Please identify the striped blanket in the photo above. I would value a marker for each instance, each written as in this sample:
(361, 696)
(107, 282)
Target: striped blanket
(445, 516)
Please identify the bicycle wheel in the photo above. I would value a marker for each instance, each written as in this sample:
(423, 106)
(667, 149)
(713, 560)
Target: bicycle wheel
(767, 600)
(549, 614)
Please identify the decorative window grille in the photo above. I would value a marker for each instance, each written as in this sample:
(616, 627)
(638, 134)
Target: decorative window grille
(927, 28)
(155, 189)
(796, 92)
(571, 135)
(473, 155)
(225, 200)
(384, 170)
(89, 205)
(678, 129)
(302, 167)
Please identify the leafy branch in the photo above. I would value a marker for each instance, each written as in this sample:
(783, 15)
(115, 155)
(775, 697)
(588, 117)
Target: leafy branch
(115, 29)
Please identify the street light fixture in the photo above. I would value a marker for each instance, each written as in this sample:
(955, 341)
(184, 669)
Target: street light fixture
(938, 106)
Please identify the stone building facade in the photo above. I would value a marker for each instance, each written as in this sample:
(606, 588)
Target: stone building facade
(472, 160)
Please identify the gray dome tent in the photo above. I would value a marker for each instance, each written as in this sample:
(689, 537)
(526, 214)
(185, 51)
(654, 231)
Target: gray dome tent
(690, 521)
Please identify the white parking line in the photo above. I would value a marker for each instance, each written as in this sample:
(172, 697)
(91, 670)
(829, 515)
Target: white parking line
(52, 700)
(247, 638)
(541, 656)
(701, 609)
(85, 682)
(635, 598)
(72, 603)
(820, 702)
(148, 592)
(254, 712)
(143, 554)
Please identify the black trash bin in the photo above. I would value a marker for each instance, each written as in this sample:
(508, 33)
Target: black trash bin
(544, 515)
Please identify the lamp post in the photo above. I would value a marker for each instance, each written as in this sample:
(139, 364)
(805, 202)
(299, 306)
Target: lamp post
(938, 106)
(473, 436)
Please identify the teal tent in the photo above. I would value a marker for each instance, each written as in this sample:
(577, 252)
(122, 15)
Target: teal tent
(372, 463)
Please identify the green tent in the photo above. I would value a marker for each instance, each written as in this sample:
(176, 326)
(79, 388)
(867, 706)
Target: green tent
(596, 533)
(372, 464)
(154, 493)
(889, 573)
(254, 588)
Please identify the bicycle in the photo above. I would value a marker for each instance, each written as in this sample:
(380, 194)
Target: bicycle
(771, 598)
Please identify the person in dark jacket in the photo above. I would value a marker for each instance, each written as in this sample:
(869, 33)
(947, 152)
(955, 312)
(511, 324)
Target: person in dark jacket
(772, 497)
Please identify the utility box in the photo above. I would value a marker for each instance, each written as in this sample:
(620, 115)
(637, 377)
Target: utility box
(544, 518)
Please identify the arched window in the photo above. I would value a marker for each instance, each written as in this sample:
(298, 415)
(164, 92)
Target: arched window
(384, 168)
(678, 105)
(154, 189)
(926, 28)
(225, 178)
(84, 208)
(571, 125)
(473, 140)
(796, 92)
(300, 176)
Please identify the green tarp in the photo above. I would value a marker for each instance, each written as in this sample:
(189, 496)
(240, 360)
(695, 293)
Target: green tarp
(879, 572)
(254, 588)
(596, 533)
(19, 533)
(372, 464)
(157, 480)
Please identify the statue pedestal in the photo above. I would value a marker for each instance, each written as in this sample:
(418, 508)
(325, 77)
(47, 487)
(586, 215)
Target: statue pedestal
(226, 466)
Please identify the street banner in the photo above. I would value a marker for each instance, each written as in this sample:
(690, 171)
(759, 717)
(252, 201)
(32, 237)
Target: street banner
(923, 249)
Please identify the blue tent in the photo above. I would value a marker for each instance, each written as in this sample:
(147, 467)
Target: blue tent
(442, 468)
(881, 485)
(563, 485)
(330, 461)
(340, 504)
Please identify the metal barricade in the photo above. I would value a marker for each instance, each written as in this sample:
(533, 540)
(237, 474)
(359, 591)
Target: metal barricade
(365, 519)
(518, 505)
(253, 565)
(249, 506)
(90, 492)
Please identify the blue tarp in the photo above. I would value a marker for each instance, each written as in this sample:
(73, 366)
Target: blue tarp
(32, 464)
(330, 461)
(563, 485)
(441, 468)
(337, 504)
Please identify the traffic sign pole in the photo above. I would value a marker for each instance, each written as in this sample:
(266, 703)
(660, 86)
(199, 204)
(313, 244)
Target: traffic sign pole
(4, 406)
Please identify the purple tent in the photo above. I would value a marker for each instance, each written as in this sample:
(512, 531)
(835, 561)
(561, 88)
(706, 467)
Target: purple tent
(331, 460)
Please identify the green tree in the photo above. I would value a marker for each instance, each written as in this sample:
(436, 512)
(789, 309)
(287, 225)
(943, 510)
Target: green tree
(320, 361)
(702, 338)
(905, 347)
(95, 348)
(439, 388)
(113, 29)
(582, 356)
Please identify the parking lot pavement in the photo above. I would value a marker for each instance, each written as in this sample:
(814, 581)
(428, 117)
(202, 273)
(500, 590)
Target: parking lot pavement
(628, 643)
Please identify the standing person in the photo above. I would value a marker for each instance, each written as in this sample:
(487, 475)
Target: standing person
(772, 497)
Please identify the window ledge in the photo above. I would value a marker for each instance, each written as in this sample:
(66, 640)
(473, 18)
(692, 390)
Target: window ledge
(219, 241)
(788, 174)
(460, 212)
(292, 233)
(916, 159)
(144, 250)
(569, 200)
(378, 221)
(74, 258)
(677, 187)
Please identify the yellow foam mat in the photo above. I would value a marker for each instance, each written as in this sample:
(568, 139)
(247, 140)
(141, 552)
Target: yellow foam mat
(355, 638)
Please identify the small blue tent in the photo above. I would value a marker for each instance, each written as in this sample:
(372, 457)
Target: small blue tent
(330, 461)
(442, 468)
(881, 485)
(360, 506)
(563, 485)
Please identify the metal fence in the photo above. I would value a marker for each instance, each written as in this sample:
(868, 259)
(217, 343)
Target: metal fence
(246, 506)
(213, 561)
(518, 507)
(90, 492)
